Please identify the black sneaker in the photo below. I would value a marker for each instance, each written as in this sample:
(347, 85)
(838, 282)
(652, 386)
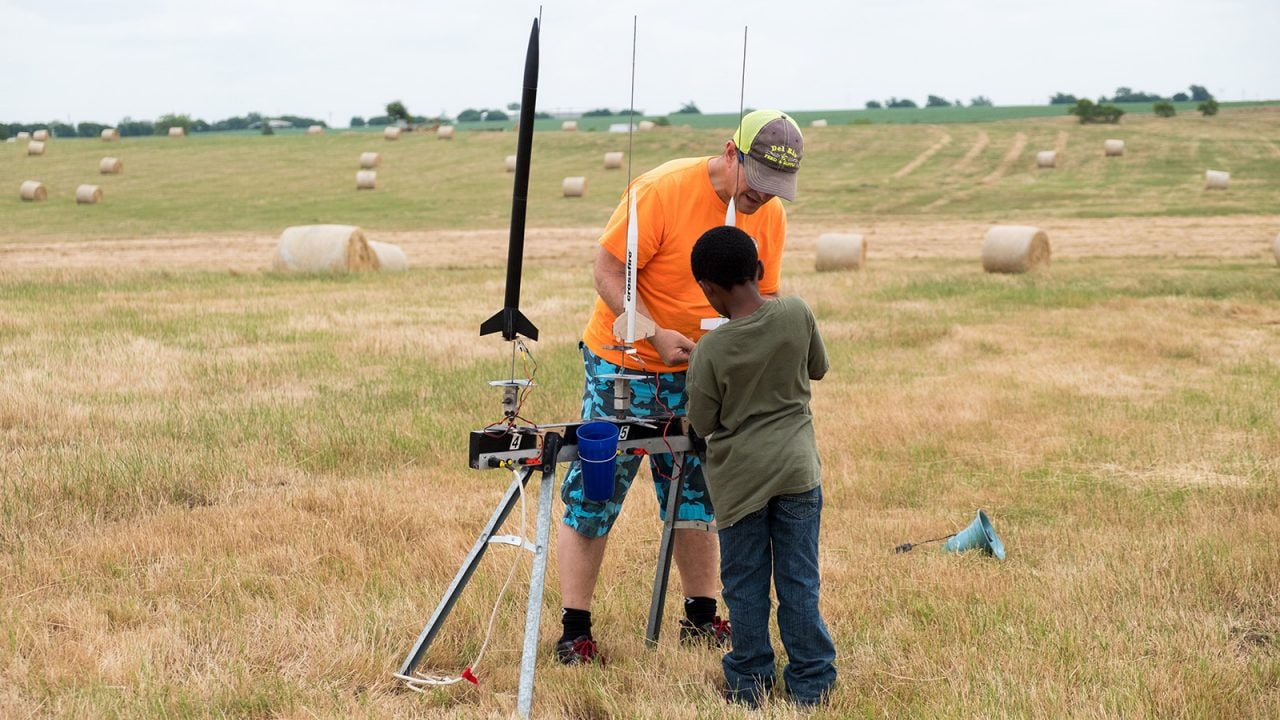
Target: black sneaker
(582, 650)
(716, 633)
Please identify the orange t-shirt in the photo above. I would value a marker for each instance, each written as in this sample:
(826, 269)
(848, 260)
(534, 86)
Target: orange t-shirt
(675, 204)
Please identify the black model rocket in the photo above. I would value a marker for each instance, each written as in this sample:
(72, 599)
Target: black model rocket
(509, 320)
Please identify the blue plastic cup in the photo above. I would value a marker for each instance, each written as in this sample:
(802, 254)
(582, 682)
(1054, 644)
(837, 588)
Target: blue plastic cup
(598, 450)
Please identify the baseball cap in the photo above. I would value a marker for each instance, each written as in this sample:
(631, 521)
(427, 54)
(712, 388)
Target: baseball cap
(773, 146)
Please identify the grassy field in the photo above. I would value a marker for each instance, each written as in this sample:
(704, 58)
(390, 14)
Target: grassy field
(241, 493)
(238, 184)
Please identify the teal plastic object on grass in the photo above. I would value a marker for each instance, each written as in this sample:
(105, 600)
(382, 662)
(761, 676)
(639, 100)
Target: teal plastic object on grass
(979, 535)
(598, 450)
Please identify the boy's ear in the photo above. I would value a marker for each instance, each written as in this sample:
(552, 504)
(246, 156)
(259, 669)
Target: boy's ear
(759, 270)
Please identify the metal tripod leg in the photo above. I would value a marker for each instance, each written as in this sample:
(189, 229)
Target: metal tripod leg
(464, 573)
(537, 577)
(665, 547)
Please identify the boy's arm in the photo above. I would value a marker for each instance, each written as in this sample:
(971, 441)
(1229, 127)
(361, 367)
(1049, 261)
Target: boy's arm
(818, 363)
(703, 406)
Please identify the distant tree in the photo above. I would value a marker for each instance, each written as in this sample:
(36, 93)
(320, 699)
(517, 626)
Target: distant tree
(1088, 112)
(357, 121)
(4, 132)
(1164, 109)
(874, 105)
(1063, 99)
(1199, 93)
(894, 102)
(1181, 97)
(90, 129)
(129, 127)
(471, 115)
(935, 101)
(688, 108)
(1208, 107)
(981, 101)
(662, 121)
(379, 120)
(397, 111)
(266, 127)
(513, 106)
(169, 120)
(495, 115)
(61, 129)
(542, 115)
(632, 112)
(200, 126)
(1128, 95)
(598, 112)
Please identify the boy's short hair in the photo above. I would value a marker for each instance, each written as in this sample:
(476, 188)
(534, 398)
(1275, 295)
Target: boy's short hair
(725, 256)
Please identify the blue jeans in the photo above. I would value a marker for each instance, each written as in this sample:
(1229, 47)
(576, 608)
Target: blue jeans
(780, 541)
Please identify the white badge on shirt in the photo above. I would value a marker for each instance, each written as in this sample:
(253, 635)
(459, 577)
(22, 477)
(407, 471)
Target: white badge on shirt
(713, 323)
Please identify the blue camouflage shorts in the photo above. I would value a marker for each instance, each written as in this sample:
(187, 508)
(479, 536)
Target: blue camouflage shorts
(594, 519)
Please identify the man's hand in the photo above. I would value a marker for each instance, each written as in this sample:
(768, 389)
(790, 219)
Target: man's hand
(672, 347)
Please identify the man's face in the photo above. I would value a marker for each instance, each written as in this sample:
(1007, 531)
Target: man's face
(747, 201)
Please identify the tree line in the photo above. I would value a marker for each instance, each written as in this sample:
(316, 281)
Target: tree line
(129, 127)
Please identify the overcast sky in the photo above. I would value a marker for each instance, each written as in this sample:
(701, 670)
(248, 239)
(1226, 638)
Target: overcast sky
(331, 59)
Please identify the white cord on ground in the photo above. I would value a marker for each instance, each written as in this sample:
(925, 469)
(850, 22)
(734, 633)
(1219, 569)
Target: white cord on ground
(421, 682)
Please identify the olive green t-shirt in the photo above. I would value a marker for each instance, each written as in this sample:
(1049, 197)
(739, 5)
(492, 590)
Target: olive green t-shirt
(748, 386)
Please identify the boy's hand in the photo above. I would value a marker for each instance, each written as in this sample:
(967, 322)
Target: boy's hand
(672, 347)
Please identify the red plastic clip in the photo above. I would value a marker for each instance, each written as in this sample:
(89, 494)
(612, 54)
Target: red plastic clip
(466, 675)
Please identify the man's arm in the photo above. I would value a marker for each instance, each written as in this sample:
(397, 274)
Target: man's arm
(611, 281)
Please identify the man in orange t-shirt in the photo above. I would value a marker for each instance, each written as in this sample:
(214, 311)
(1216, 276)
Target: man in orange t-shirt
(675, 204)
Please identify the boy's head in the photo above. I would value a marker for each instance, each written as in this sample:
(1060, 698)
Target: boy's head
(725, 256)
(722, 259)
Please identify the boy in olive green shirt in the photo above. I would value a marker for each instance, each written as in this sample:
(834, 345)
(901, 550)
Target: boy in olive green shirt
(748, 386)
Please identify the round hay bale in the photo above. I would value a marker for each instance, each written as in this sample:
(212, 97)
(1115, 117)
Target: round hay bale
(370, 160)
(366, 179)
(511, 163)
(613, 160)
(841, 251)
(444, 132)
(390, 257)
(315, 130)
(575, 187)
(569, 126)
(1015, 249)
(88, 195)
(645, 125)
(391, 133)
(1216, 180)
(323, 248)
(35, 147)
(23, 136)
(818, 123)
(33, 191)
(110, 166)
(1113, 148)
(177, 132)
(110, 134)
(41, 135)
(1047, 159)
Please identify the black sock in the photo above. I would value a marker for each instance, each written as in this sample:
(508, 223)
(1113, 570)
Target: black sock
(577, 623)
(700, 610)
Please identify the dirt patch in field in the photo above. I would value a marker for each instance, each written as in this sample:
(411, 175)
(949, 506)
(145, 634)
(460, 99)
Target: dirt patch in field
(1222, 237)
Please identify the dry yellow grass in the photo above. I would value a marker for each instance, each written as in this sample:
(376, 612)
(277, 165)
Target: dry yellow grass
(242, 494)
